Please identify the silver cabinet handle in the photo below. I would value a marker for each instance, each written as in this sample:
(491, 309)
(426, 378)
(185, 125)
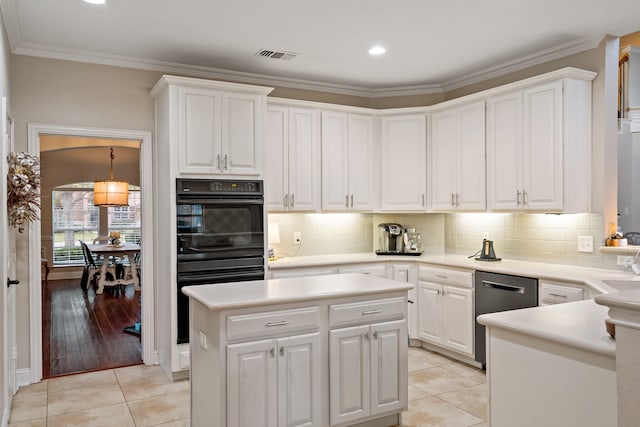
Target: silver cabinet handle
(272, 352)
(225, 162)
(441, 276)
(503, 287)
(365, 313)
(346, 200)
(293, 200)
(366, 336)
(218, 157)
(453, 199)
(375, 335)
(281, 323)
(524, 198)
(286, 200)
(518, 197)
(457, 196)
(352, 200)
(558, 295)
(281, 351)
(422, 200)
(438, 292)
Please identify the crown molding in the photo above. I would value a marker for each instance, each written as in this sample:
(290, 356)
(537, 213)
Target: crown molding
(11, 23)
(547, 55)
(19, 47)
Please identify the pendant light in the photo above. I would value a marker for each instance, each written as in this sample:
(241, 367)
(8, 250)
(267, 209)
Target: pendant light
(111, 193)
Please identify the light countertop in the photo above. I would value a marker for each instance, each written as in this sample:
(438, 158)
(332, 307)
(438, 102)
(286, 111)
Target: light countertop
(577, 324)
(278, 291)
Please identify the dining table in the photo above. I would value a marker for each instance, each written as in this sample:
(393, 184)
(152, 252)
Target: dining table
(107, 251)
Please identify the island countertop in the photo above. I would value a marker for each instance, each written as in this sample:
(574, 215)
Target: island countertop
(279, 291)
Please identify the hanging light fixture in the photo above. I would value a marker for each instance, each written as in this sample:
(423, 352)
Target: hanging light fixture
(111, 193)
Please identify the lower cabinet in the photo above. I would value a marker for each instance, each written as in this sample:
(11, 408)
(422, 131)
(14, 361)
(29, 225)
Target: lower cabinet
(367, 371)
(275, 382)
(555, 293)
(445, 315)
(407, 273)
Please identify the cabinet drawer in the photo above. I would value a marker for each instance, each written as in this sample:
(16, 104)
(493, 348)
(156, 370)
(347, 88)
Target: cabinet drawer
(368, 311)
(441, 275)
(272, 323)
(556, 294)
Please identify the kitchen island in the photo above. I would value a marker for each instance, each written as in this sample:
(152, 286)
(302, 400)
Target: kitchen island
(551, 366)
(312, 351)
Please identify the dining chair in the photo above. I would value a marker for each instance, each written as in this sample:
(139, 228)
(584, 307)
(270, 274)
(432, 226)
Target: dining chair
(90, 265)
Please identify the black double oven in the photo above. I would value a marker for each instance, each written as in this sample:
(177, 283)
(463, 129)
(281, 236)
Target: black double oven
(220, 232)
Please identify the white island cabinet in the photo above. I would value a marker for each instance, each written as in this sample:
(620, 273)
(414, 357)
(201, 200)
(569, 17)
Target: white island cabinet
(304, 351)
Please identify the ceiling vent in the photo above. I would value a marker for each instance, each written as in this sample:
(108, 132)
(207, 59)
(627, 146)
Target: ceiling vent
(275, 54)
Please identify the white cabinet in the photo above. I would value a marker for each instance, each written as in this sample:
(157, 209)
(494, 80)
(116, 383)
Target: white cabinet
(367, 366)
(274, 382)
(379, 270)
(457, 152)
(403, 162)
(219, 132)
(539, 147)
(407, 273)
(445, 308)
(292, 157)
(556, 293)
(347, 162)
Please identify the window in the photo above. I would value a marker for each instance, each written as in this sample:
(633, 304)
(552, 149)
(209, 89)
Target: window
(75, 218)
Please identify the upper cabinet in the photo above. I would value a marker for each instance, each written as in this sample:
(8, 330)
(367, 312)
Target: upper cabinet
(216, 126)
(348, 166)
(292, 157)
(457, 153)
(403, 162)
(539, 146)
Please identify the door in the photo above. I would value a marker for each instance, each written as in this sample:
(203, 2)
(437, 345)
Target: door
(361, 181)
(349, 374)
(504, 141)
(388, 366)
(199, 130)
(304, 159)
(276, 155)
(403, 162)
(457, 315)
(470, 167)
(299, 381)
(251, 384)
(335, 161)
(542, 147)
(430, 312)
(444, 151)
(241, 133)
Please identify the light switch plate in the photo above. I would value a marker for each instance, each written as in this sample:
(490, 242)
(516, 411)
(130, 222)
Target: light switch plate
(585, 244)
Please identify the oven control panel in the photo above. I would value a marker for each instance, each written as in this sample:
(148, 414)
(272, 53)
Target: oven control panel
(219, 186)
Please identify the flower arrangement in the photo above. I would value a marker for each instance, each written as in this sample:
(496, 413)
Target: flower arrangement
(23, 189)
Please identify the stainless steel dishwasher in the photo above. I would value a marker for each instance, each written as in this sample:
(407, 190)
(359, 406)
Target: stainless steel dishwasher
(500, 292)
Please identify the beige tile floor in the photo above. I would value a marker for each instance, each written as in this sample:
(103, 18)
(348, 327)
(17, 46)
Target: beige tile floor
(442, 392)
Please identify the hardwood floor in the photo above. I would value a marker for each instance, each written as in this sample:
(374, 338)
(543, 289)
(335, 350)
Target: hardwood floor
(84, 332)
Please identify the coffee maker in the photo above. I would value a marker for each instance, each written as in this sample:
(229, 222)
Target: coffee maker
(390, 239)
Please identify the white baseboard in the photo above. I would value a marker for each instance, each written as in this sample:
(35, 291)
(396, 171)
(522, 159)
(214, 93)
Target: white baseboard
(5, 416)
(23, 377)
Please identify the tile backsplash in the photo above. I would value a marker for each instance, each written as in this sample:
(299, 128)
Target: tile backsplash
(533, 237)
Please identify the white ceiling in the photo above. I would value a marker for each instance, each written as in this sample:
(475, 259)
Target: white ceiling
(431, 45)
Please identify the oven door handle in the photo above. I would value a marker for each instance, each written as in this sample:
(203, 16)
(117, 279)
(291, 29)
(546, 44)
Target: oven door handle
(503, 287)
(212, 278)
(215, 201)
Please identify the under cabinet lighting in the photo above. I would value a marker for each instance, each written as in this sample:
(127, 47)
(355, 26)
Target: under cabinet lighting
(377, 50)
(95, 1)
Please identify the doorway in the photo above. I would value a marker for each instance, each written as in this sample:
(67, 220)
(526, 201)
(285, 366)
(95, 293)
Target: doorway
(36, 134)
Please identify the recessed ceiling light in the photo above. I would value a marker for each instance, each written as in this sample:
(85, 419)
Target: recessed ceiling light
(95, 1)
(377, 50)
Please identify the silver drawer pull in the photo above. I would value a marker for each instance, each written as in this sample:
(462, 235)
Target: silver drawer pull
(441, 276)
(558, 295)
(364, 313)
(281, 323)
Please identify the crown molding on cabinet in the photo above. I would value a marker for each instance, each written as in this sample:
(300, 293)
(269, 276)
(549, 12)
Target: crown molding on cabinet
(20, 47)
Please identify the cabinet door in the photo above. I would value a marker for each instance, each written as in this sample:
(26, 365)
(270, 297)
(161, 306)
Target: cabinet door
(470, 155)
(361, 155)
(388, 366)
(430, 312)
(349, 374)
(504, 142)
(299, 381)
(443, 164)
(241, 133)
(304, 159)
(335, 161)
(199, 130)
(407, 273)
(542, 147)
(251, 384)
(403, 163)
(276, 157)
(457, 310)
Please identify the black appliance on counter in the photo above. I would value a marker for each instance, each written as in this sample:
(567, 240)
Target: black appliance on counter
(500, 292)
(220, 232)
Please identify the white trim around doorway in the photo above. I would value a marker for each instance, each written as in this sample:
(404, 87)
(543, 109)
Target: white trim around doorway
(149, 353)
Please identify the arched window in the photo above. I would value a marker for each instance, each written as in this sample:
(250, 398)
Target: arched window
(75, 218)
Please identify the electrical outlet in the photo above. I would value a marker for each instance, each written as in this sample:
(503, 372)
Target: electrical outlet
(297, 238)
(203, 340)
(585, 244)
(624, 260)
